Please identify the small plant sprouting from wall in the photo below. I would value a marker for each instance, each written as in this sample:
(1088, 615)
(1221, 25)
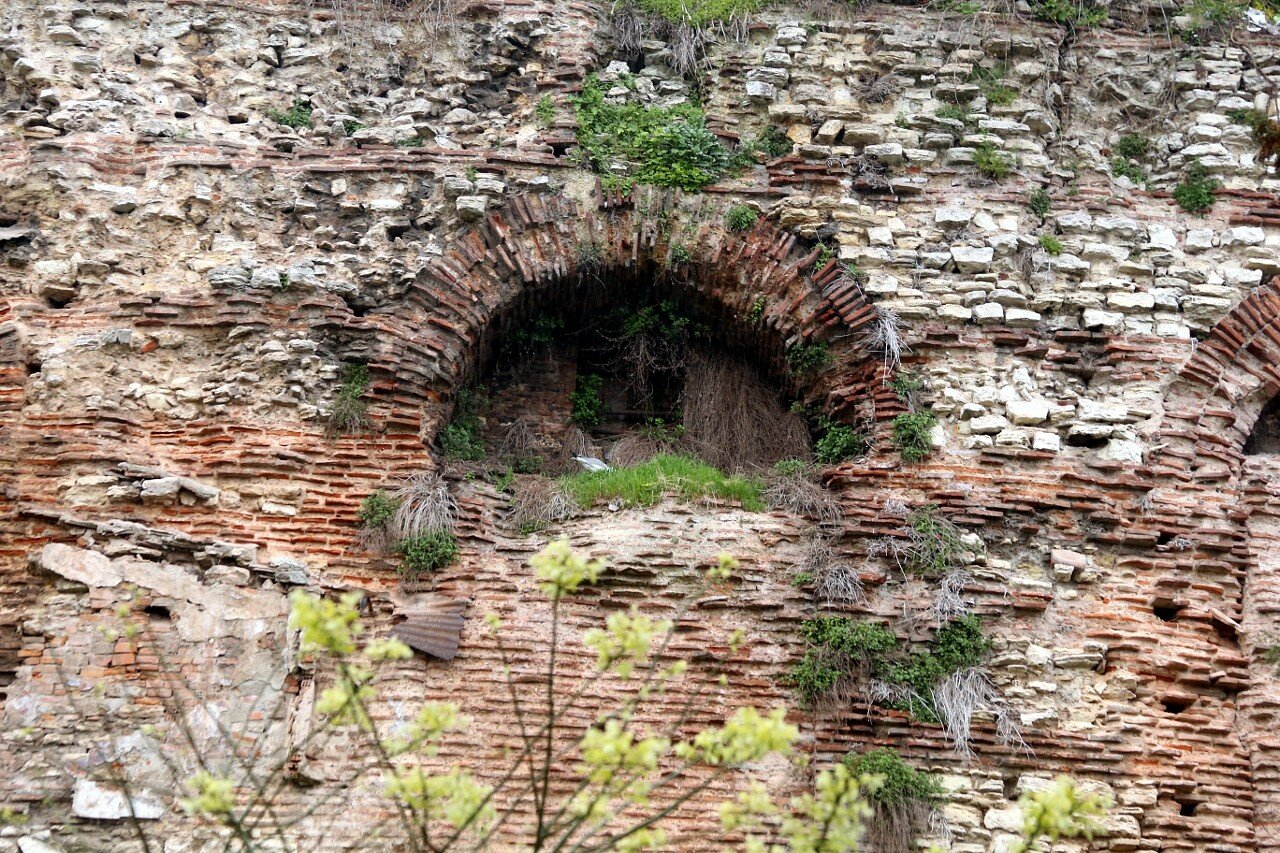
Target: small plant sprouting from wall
(296, 117)
(1038, 203)
(931, 546)
(350, 413)
(588, 408)
(1129, 150)
(1051, 244)
(1195, 193)
(460, 440)
(837, 442)
(1266, 133)
(838, 652)
(804, 359)
(1073, 14)
(991, 163)
(377, 509)
(913, 434)
(545, 110)
(430, 552)
(902, 804)
(741, 217)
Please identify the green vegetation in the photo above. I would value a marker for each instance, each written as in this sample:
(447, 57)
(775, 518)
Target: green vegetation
(902, 784)
(297, 116)
(698, 13)
(756, 314)
(773, 141)
(807, 358)
(411, 142)
(588, 409)
(905, 383)
(911, 434)
(1272, 655)
(645, 484)
(1266, 133)
(427, 553)
(838, 442)
(545, 110)
(377, 509)
(1051, 244)
(680, 254)
(1075, 14)
(990, 83)
(1122, 167)
(991, 163)
(664, 146)
(935, 545)
(838, 647)
(955, 112)
(351, 125)
(1038, 203)
(1195, 193)
(1133, 146)
(350, 414)
(741, 217)
(959, 645)
(460, 440)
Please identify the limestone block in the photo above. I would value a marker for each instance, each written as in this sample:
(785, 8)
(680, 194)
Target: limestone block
(889, 152)
(988, 312)
(759, 91)
(1021, 318)
(969, 259)
(80, 565)
(471, 207)
(1244, 235)
(1106, 320)
(948, 216)
(987, 424)
(828, 132)
(1131, 302)
(1027, 412)
(98, 802)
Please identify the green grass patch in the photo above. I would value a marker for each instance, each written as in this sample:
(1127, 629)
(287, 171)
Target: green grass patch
(297, 116)
(1051, 244)
(991, 163)
(427, 553)
(741, 217)
(460, 440)
(698, 13)
(911, 434)
(1038, 203)
(647, 483)
(1195, 193)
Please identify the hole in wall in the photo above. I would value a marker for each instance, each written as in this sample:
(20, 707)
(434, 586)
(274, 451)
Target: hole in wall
(1167, 611)
(1187, 807)
(1177, 704)
(1264, 438)
(33, 368)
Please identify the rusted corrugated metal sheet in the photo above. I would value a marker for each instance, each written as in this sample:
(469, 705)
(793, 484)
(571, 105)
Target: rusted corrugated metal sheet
(432, 626)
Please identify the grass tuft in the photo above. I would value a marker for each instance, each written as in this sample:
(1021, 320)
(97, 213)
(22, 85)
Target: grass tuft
(645, 484)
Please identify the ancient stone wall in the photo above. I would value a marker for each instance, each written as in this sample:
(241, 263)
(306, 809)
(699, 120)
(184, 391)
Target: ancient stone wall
(184, 279)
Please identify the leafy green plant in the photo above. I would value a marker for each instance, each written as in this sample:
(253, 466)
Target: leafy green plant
(756, 314)
(1059, 811)
(645, 484)
(411, 142)
(912, 434)
(1075, 14)
(774, 141)
(934, 545)
(545, 110)
(1133, 146)
(664, 146)
(1038, 203)
(1195, 193)
(1051, 244)
(427, 553)
(1266, 132)
(588, 408)
(698, 13)
(837, 442)
(741, 217)
(376, 510)
(349, 413)
(954, 112)
(1122, 167)
(837, 648)
(296, 117)
(901, 783)
(460, 440)
(992, 163)
(959, 645)
(990, 83)
(680, 254)
(351, 125)
(807, 358)
(906, 383)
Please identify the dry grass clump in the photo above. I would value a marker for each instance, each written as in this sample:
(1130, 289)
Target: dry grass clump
(537, 502)
(575, 441)
(734, 420)
(364, 24)
(834, 580)
(792, 486)
(965, 691)
(639, 446)
(425, 506)
(885, 337)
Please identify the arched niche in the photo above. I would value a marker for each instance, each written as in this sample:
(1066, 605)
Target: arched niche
(441, 335)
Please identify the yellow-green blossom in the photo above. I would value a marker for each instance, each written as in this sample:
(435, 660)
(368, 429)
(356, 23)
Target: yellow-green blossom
(724, 567)
(745, 811)
(625, 640)
(830, 819)
(453, 796)
(649, 838)
(347, 701)
(387, 649)
(747, 736)
(211, 795)
(561, 571)
(1059, 811)
(326, 625)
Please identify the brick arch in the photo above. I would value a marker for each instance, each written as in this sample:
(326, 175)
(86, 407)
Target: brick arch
(424, 347)
(1220, 392)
